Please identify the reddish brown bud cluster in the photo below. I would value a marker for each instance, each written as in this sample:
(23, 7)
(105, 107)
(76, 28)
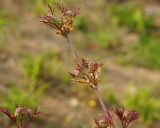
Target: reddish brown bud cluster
(87, 73)
(108, 122)
(126, 117)
(20, 115)
(64, 23)
(104, 122)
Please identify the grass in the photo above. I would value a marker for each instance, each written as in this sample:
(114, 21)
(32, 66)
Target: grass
(144, 53)
(23, 97)
(7, 20)
(40, 5)
(136, 99)
(146, 50)
(45, 67)
(134, 18)
(82, 24)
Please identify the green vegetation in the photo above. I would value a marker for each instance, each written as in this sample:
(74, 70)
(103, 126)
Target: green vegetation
(111, 99)
(8, 21)
(23, 97)
(105, 39)
(144, 102)
(44, 68)
(133, 17)
(81, 24)
(146, 52)
(40, 5)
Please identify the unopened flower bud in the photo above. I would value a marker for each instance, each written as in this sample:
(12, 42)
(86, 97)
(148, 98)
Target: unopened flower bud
(18, 111)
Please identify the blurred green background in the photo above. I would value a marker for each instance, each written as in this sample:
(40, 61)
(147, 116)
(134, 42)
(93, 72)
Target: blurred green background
(34, 61)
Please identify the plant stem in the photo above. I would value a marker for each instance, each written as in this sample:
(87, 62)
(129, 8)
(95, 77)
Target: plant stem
(73, 50)
(101, 102)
